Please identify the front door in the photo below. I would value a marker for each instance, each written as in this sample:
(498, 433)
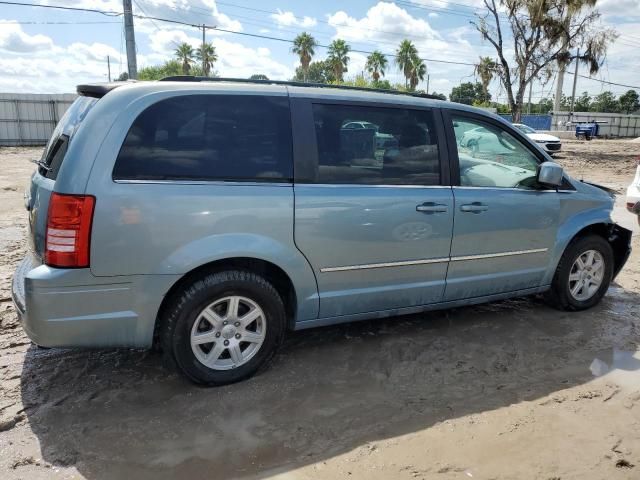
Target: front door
(505, 224)
(373, 213)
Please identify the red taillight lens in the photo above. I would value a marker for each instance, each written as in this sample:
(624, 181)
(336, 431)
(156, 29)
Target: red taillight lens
(69, 230)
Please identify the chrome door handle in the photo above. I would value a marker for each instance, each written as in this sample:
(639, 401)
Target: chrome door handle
(431, 207)
(475, 207)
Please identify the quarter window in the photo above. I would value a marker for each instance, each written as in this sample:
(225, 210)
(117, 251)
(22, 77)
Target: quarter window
(209, 137)
(491, 157)
(375, 145)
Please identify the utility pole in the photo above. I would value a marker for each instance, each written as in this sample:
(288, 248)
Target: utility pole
(530, 88)
(108, 68)
(427, 84)
(204, 71)
(130, 39)
(575, 79)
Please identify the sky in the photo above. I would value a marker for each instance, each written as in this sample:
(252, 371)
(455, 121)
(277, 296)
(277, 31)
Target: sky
(51, 51)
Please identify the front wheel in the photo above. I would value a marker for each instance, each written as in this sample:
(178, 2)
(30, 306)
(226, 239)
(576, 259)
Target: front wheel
(583, 274)
(224, 327)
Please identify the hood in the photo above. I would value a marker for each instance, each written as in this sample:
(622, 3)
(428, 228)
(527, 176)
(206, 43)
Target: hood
(544, 137)
(610, 191)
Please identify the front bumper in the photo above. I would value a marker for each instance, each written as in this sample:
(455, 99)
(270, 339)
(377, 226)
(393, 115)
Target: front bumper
(551, 147)
(73, 308)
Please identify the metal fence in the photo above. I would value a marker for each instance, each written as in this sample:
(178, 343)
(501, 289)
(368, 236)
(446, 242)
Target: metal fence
(29, 119)
(536, 121)
(610, 124)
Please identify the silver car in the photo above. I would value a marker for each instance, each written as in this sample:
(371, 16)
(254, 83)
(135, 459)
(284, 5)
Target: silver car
(209, 217)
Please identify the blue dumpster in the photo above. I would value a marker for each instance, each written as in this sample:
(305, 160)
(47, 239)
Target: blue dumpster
(587, 130)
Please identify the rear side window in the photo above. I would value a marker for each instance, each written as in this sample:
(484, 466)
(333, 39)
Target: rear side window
(209, 137)
(376, 145)
(56, 149)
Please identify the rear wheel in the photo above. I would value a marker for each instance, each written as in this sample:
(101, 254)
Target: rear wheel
(583, 274)
(224, 327)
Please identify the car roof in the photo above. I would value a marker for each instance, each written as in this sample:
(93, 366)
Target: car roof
(130, 90)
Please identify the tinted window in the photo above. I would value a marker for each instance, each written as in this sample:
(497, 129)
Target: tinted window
(209, 137)
(56, 148)
(491, 157)
(375, 145)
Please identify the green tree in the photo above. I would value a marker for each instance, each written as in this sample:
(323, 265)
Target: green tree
(545, 105)
(582, 103)
(405, 54)
(168, 69)
(185, 54)
(440, 96)
(318, 72)
(304, 46)
(338, 57)
(629, 102)
(468, 93)
(605, 102)
(123, 77)
(207, 56)
(376, 64)
(485, 70)
(258, 76)
(541, 36)
(418, 72)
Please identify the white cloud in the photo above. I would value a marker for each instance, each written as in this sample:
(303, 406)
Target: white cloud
(234, 59)
(433, 15)
(288, 19)
(383, 22)
(13, 39)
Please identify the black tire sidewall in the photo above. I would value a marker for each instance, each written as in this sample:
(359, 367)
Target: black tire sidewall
(202, 293)
(561, 282)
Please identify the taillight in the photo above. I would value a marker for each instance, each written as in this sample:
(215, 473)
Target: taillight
(69, 230)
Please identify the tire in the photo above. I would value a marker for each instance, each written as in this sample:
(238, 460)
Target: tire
(213, 295)
(560, 295)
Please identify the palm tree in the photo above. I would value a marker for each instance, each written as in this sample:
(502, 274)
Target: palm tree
(418, 71)
(376, 63)
(207, 56)
(303, 46)
(338, 57)
(404, 56)
(485, 70)
(184, 53)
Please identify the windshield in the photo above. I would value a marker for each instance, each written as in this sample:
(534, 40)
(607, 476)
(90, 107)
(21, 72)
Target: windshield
(524, 128)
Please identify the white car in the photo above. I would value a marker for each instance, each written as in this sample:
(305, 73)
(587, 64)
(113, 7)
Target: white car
(633, 194)
(548, 142)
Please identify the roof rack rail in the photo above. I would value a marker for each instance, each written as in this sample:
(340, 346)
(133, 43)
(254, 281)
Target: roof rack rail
(193, 78)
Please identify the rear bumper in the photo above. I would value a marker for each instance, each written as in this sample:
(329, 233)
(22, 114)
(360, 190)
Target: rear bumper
(73, 308)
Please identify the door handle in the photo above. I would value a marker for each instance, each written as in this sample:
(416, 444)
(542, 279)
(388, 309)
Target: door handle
(475, 207)
(431, 207)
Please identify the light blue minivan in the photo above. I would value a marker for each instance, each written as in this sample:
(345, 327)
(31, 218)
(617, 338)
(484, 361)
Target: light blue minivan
(208, 217)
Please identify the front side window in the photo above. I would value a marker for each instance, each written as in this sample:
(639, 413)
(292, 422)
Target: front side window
(492, 157)
(375, 145)
(209, 137)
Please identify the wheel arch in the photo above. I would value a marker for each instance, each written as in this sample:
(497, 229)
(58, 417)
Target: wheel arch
(271, 272)
(618, 237)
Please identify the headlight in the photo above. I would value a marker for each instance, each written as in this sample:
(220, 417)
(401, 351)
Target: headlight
(541, 141)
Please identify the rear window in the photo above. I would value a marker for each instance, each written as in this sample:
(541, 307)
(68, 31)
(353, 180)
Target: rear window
(56, 149)
(209, 137)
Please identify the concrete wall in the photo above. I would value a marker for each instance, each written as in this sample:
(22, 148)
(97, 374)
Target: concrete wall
(29, 119)
(618, 125)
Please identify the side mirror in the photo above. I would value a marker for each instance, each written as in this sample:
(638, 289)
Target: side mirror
(550, 174)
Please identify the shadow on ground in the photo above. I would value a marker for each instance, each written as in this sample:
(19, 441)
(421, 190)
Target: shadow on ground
(120, 414)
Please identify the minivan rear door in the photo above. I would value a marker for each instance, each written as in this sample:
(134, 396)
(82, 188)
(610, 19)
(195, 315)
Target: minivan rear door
(44, 178)
(373, 209)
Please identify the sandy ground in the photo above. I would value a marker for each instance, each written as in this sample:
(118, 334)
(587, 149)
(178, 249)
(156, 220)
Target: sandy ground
(511, 390)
